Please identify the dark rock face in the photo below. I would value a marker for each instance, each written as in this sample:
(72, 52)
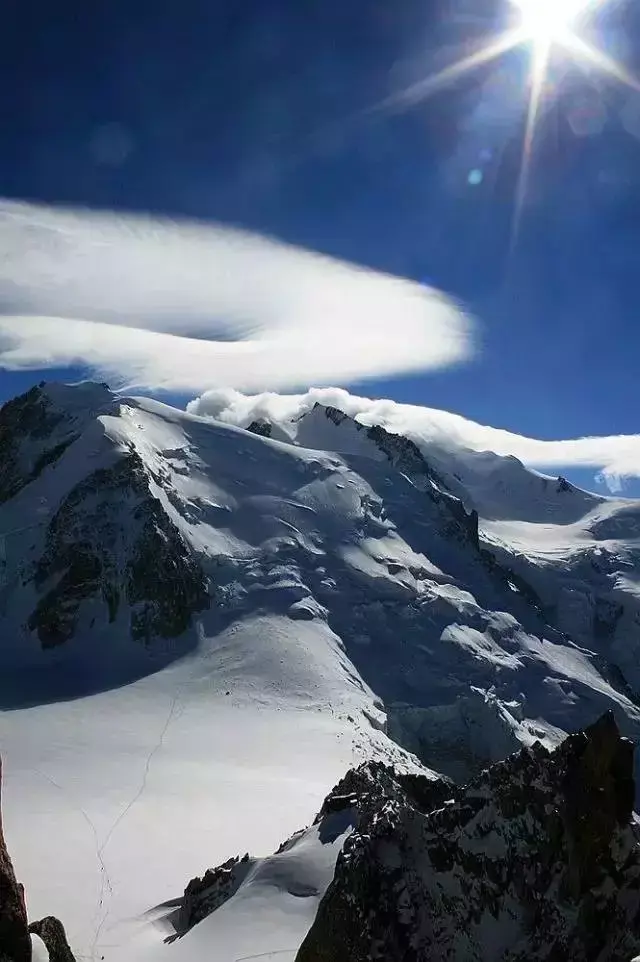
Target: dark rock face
(90, 553)
(606, 615)
(599, 790)
(110, 540)
(33, 434)
(261, 427)
(52, 933)
(15, 939)
(362, 787)
(15, 944)
(203, 896)
(535, 859)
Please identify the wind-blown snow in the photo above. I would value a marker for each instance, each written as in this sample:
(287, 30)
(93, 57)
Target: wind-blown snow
(614, 457)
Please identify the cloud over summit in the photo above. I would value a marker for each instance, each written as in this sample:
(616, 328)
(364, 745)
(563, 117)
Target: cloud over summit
(151, 304)
(614, 458)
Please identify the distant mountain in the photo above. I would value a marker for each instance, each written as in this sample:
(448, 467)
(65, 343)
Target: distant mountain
(174, 589)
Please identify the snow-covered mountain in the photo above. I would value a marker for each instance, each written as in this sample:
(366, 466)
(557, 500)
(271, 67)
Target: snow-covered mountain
(537, 858)
(203, 626)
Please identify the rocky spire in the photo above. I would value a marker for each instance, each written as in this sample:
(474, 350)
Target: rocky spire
(15, 938)
(15, 943)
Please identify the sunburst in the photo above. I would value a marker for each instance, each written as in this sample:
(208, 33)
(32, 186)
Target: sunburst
(546, 21)
(546, 24)
(543, 25)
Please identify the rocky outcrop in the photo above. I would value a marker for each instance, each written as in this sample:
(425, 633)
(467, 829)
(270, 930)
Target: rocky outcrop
(33, 434)
(261, 427)
(15, 944)
(51, 931)
(91, 554)
(536, 858)
(204, 895)
(606, 615)
(15, 938)
(110, 540)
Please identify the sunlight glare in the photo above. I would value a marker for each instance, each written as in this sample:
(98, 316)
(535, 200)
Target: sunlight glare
(545, 21)
(543, 26)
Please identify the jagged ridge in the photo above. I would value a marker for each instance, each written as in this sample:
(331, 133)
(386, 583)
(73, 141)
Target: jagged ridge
(535, 859)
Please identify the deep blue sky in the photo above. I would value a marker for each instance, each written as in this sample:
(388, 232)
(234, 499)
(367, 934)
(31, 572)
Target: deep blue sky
(248, 113)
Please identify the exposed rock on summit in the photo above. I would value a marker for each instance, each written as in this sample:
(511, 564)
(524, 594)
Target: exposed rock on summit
(33, 434)
(262, 427)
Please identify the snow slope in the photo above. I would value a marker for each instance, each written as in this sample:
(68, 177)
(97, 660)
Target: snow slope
(579, 552)
(114, 802)
(352, 604)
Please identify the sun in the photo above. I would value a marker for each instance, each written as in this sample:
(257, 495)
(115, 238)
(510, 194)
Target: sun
(549, 21)
(543, 27)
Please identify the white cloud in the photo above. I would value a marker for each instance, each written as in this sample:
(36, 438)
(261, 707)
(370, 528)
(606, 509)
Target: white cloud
(157, 305)
(160, 305)
(615, 458)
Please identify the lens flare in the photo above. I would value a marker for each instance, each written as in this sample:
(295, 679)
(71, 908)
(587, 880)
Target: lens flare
(543, 26)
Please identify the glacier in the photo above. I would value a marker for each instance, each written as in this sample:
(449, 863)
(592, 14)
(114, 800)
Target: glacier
(204, 625)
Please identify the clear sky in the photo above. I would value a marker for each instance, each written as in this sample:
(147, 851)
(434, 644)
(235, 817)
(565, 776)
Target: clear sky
(251, 114)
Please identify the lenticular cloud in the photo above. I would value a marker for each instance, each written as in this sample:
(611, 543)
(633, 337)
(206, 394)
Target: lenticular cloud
(155, 304)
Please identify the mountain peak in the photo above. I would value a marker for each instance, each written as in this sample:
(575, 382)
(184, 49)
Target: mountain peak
(89, 395)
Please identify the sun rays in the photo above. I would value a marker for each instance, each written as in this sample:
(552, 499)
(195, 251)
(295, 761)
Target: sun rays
(544, 26)
(546, 21)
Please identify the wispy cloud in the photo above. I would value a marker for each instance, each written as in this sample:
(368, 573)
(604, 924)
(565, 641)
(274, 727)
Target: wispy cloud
(614, 458)
(183, 306)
